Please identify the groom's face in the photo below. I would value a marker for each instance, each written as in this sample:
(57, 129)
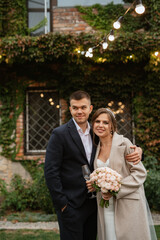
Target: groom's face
(80, 110)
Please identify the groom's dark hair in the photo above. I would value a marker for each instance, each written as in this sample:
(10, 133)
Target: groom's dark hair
(78, 95)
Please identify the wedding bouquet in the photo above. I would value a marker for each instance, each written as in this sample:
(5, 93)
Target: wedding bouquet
(106, 180)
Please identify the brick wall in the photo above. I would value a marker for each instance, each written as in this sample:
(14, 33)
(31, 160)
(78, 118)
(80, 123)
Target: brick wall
(69, 21)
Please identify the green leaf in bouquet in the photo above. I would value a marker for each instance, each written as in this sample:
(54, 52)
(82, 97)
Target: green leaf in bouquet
(104, 203)
(96, 187)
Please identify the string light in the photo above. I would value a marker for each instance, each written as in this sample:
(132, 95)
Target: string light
(104, 45)
(87, 54)
(139, 8)
(156, 54)
(90, 50)
(111, 36)
(117, 24)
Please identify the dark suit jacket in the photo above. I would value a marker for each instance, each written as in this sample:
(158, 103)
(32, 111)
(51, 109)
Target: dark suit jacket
(65, 156)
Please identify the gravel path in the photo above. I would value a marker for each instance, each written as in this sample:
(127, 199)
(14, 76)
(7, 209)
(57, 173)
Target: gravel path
(29, 225)
(49, 225)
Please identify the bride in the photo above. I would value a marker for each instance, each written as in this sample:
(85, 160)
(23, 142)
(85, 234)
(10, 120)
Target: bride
(127, 217)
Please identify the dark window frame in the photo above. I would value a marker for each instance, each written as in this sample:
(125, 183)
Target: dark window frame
(28, 152)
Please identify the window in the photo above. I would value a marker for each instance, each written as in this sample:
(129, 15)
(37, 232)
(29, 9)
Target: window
(42, 116)
(37, 13)
(123, 115)
(68, 3)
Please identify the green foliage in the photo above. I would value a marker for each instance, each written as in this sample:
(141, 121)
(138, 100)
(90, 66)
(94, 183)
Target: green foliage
(39, 25)
(55, 47)
(102, 17)
(109, 74)
(152, 183)
(147, 117)
(23, 195)
(12, 97)
(13, 17)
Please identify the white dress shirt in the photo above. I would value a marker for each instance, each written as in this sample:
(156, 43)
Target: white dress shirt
(86, 139)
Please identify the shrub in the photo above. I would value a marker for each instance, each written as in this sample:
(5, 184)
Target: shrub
(152, 183)
(22, 195)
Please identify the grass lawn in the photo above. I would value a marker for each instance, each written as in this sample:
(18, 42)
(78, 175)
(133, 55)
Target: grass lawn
(28, 235)
(158, 231)
(38, 234)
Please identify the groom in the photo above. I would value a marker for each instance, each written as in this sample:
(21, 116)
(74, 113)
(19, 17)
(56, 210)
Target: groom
(69, 148)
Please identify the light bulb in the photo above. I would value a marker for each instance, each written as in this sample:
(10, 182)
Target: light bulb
(140, 9)
(90, 50)
(111, 38)
(116, 25)
(87, 54)
(156, 54)
(104, 45)
(90, 55)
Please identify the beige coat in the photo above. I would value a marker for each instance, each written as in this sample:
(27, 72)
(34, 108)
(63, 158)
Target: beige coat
(130, 207)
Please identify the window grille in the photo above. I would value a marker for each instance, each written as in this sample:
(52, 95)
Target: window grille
(122, 111)
(42, 116)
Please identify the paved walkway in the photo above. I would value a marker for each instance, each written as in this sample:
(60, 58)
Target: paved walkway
(49, 225)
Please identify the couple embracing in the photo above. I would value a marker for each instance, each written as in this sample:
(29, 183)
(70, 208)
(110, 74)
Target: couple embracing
(70, 147)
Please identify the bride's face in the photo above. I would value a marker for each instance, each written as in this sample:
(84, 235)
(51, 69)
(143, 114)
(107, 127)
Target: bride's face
(102, 126)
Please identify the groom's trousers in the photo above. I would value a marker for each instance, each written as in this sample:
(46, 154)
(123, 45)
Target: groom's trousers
(79, 223)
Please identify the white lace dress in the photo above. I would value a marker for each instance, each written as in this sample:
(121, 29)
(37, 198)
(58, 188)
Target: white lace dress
(106, 232)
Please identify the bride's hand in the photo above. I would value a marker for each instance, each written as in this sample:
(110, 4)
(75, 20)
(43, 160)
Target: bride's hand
(106, 196)
(90, 187)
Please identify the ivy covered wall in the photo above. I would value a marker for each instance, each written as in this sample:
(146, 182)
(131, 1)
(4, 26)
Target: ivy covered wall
(13, 17)
(128, 69)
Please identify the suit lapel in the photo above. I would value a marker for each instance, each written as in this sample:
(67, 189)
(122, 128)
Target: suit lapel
(93, 148)
(76, 138)
(93, 154)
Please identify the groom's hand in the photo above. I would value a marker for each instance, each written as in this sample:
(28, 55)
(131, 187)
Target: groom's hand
(136, 156)
(90, 187)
